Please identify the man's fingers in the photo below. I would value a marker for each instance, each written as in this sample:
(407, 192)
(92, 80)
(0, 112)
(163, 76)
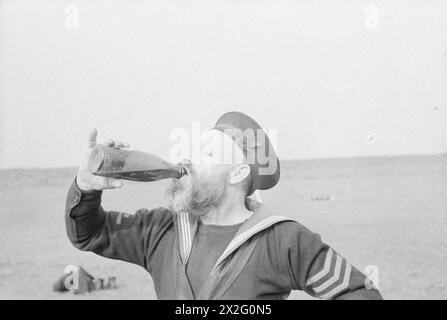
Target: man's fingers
(116, 143)
(121, 144)
(107, 183)
(92, 138)
(110, 183)
(109, 143)
(115, 183)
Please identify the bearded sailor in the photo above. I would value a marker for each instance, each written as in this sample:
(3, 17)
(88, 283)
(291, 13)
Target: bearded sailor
(213, 241)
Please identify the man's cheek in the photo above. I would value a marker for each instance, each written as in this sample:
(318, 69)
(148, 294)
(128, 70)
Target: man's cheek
(197, 173)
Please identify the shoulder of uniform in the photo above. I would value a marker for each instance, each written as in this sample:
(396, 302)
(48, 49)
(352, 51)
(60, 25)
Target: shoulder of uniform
(289, 228)
(291, 233)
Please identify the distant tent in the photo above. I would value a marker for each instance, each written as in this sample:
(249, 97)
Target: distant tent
(75, 279)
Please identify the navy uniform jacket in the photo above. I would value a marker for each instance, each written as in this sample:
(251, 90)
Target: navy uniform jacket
(278, 258)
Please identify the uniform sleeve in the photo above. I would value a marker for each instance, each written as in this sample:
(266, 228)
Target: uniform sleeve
(319, 270)
(112, 234)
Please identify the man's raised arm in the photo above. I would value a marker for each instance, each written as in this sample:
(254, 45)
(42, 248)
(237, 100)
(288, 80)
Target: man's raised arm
(111, 234)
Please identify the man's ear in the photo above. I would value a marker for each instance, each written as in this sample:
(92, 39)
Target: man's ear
(239, 173)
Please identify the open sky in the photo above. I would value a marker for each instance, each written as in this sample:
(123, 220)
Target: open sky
(334, 78)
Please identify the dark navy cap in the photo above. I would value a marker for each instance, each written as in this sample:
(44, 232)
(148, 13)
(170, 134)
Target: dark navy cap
(258, 150)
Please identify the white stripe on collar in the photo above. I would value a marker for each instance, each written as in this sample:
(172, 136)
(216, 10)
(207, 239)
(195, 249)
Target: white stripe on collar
(240, 239)
(184, 235)
(185, 238)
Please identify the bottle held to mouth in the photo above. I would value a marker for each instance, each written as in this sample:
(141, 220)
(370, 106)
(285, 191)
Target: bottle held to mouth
(131, 165)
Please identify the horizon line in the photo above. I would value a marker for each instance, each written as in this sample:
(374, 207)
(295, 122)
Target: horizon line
(284, 159)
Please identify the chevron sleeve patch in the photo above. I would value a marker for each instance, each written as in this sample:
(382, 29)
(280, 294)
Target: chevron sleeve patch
(316, 268)
(332, 278)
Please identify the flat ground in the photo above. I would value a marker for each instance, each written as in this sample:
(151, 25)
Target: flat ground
(388, 212)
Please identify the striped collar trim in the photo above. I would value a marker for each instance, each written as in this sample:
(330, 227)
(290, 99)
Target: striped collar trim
(187, 226)
(244, 236)
(185, 229)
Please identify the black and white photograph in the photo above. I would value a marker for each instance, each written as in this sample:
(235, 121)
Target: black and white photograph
(223, 150)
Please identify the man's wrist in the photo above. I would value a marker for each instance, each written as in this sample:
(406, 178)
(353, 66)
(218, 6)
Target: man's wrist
(86, 201)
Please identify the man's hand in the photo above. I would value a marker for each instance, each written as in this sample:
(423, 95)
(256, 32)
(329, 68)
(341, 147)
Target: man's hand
(85, 180)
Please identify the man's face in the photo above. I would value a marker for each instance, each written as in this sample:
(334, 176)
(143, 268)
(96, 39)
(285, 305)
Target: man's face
(205, 185)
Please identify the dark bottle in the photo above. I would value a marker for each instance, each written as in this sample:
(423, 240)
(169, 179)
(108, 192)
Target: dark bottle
(131, 165)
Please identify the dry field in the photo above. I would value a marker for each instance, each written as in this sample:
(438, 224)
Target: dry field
(388, 212)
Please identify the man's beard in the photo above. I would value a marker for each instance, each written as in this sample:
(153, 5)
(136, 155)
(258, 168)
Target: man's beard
(195, 195)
